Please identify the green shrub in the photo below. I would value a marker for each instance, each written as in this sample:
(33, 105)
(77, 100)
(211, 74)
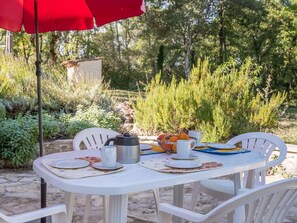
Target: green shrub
(18, 141)
(2, 111)
(19, 106)
(18, 137)
(221, 104)
(52, 127)
(89, 117)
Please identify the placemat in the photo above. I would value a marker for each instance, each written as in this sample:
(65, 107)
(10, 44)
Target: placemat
(159, 165)
(76, 173)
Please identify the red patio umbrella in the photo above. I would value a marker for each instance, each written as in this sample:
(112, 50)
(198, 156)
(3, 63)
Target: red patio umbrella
(38, 16)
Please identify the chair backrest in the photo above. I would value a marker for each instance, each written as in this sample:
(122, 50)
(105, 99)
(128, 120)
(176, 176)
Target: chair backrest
(265, 204)
(265, 144)
(93, 138)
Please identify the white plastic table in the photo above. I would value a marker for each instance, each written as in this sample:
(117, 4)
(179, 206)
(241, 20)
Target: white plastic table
(136, 178)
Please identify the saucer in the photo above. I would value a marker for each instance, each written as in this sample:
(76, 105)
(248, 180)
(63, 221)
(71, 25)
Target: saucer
(183, 164)
(100, 167)
(175, 157)
(144, 146)
(69, 164)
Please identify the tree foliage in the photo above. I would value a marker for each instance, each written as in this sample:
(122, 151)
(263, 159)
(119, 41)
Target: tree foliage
(173, 34)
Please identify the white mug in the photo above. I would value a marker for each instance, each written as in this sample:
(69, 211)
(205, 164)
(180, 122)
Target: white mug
(108, 156)
(184, 148)
(195, 135)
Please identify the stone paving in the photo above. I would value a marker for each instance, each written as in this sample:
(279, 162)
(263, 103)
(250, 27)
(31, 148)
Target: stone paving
(20, 191)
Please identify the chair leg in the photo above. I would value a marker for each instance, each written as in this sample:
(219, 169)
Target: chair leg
(58, 218)
(230, 216)
(157, 198)
(87, 208)
(163, 217)
(195, 194)
(105, 207)
(69, 201)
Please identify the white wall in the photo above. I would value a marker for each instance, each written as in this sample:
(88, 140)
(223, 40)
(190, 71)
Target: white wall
(85, 70)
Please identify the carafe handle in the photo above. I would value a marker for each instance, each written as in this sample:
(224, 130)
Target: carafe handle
(109, 140)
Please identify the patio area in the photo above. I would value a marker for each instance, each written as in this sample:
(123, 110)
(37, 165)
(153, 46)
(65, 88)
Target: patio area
(20, 192)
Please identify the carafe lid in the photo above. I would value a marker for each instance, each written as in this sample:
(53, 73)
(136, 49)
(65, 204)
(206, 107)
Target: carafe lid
(126, 140)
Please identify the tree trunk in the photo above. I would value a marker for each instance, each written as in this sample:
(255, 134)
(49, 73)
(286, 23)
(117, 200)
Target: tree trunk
(8, 45)
(52, 45)
(187, 51)
(222, 37)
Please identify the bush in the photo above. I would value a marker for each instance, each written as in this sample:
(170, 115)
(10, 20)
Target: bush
(52, 127)
(19, 106)
(221, 104)
(2, 111)
(89, 117)
(18, 141)
(18, 137)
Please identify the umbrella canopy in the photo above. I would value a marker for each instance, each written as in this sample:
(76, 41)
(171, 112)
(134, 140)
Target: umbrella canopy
(61, 15)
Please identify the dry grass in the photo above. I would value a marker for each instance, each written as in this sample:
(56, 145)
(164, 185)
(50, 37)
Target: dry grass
(287, 127)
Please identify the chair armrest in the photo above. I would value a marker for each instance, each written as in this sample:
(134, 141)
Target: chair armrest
(36, 214)
(244, 190)
(181, 212)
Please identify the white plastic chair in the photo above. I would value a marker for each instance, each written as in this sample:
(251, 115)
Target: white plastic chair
(259, 142)
(93, 138)
(266, 204)
(57, 213)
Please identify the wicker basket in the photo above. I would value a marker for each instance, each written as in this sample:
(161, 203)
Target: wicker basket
(166, 145)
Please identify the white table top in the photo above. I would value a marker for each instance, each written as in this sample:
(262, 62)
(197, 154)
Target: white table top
(136, 178)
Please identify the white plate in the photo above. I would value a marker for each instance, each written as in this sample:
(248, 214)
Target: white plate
(175, 157)
(144, 146)
(221, 146)
(100, 167)
(69, 164)
(183, 164)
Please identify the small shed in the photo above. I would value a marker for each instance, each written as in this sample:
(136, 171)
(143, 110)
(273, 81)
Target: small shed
(83, 70)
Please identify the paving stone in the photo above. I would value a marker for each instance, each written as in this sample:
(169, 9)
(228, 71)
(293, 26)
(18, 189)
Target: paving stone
(12, 177)
(3, 180)
(28, 179)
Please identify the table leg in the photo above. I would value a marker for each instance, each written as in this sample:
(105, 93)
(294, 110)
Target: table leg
(69, 202)
(238, 184)
(105, 199)
(118, 209)
(178, 199)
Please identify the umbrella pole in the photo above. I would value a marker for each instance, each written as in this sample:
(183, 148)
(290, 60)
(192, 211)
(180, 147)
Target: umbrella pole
(38, 74)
